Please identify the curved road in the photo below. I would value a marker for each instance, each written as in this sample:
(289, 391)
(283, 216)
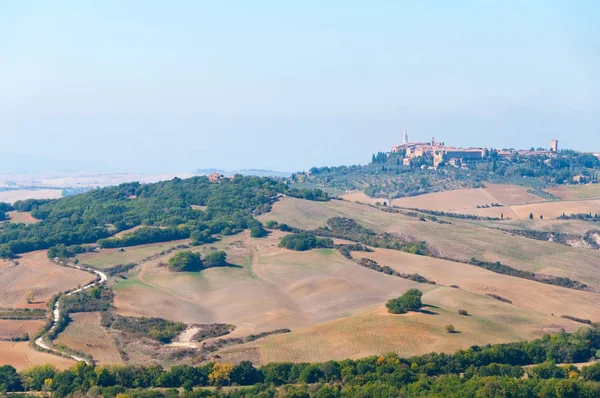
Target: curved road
(40, 342)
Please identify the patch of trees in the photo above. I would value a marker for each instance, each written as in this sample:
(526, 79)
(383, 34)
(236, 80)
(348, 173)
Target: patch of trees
(80, 219)
(186, 261)
(207, 331)
(499, 298)
(159, 329)
(304, 241)
(62, 251)
(580, 216)
(499, 268)
(409, 301)
(309, 194)
(580, 320)
(346, 250)
(372, 264)
(557, 237)
(347, 228)
(489, 371)
(280, 226)
(216, 258)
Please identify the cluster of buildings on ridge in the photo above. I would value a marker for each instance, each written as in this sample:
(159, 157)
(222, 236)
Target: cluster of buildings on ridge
(455, 156)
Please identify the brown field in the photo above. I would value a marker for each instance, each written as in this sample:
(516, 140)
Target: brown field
(36, 272)
(463, 201)
(106, 258)
(555, 209)
(23, 194)
(335, 307)
(378, 332)
(21, 356)
(275, 288)
(565, 226)
(460, 239)
(529, 295)
(576, 192)
(23, 217)
(86, 334)
(17, 328)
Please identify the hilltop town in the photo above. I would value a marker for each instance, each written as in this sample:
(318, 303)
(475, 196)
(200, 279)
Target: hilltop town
(460, 157)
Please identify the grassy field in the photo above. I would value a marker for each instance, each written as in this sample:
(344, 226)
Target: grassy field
(378, 332)
(18, 328)
(21, 356)
(23, 217)
(85, 334)
(576, 192)
(461, 239)
(107, 258)
(36, 272)
(555, 209)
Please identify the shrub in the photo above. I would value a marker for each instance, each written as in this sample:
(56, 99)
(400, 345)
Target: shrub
(450, 329)
(463, 312)
(304, 241)
(409, 301)
(185, 261)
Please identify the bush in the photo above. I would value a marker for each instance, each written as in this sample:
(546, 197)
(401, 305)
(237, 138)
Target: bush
(409, 301)
(450, 329)
(185, 261)
(463, 312)
(215, 259)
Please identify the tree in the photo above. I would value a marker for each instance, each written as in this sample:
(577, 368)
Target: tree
(221, 374)
(30, 296)
(450, 329)
(9, 379)
(409, 301)
(245, 374)
(541, 216)
(215, 259)
(185, 261)
(463, 312)
(531, 216)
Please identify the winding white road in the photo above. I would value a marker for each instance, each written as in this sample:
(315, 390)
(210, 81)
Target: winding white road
(40, 342)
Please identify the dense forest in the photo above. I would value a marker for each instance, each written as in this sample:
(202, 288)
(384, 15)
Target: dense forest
(490, 371)
(97, 215)
(386, 176)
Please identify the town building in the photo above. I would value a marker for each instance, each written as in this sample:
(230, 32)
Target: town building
(438, 150)
(554, 145)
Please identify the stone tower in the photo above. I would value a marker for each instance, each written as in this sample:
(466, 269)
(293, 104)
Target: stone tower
(405, 138)
(554, 145)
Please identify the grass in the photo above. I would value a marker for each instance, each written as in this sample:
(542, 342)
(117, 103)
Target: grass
(107, 258)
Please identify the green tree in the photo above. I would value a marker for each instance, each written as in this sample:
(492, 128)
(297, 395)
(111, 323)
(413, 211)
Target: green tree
(185, 261)
(531, 216)
(409, 301)
(215, 259)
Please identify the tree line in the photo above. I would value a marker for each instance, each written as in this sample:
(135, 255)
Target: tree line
(477, 370)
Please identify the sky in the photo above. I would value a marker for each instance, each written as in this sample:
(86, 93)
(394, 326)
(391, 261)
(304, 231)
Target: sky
(155, 86)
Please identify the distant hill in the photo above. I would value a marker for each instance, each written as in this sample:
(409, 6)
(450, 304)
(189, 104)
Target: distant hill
(247, 172)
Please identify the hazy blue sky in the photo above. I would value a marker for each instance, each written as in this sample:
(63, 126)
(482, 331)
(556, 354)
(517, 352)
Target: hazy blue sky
(173, 86)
